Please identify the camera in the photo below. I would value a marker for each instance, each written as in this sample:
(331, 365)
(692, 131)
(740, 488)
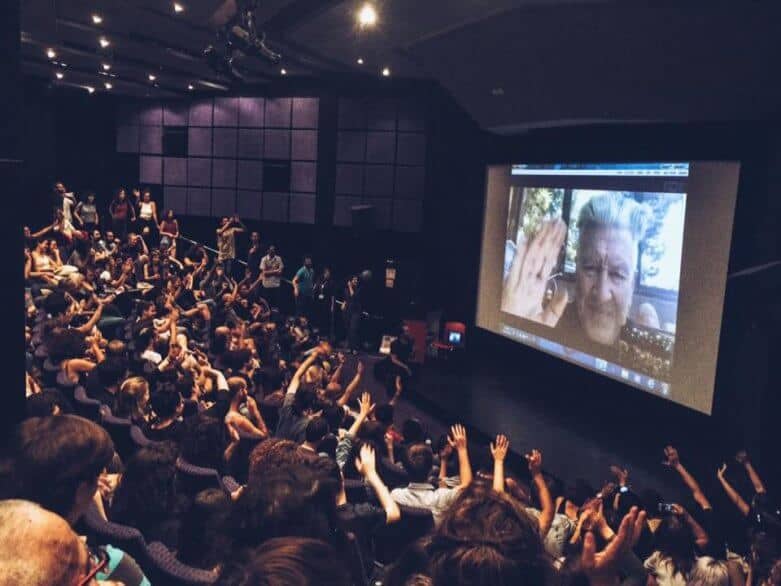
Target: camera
(666, 508)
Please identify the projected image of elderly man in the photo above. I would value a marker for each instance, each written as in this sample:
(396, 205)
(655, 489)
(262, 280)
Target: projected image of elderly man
(611, 227)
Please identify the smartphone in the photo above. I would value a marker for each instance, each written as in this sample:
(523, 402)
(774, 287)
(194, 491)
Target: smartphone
(666, 508)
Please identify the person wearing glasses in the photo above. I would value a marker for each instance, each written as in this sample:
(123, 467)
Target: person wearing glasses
(60, 463)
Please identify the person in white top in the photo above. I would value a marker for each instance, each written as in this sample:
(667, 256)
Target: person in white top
(271, 267)
(147, 213)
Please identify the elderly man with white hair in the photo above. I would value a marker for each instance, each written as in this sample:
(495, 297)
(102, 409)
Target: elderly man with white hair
(611, 226)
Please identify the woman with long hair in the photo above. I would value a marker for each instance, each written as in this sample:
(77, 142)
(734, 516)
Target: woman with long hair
(122, 213)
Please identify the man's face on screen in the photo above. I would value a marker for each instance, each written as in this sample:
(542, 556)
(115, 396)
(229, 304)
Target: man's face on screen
(605, 281)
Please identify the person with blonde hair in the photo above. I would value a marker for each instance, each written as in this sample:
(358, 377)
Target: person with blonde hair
(132, 400)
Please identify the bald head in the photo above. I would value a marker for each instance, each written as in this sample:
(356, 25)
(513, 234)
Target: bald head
(38, 547)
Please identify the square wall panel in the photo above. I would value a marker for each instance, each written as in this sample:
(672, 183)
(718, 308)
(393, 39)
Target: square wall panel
(352, 113)
(410, 116)
(150, 170)
(382, 212)
(251, 112)
(199, 142)
(250, 143)
(127, 139)
(349, 179)
(411, 148)
(380, 147)
(304, 146)
(151, 114)
(151, 139)
(129, 114)
(381, 115)
(302, 208)
(342, 207)
(201, 113)
(276, 144)
(199, 172)
(305, 112)
(250, 175)
(407, 215)
(224, 143)
(175, 171)
(278, 111)
(303, 176)
(248, 204)
(223, 202)
(175, 114)
(275, 207)
(175, 198)
(351, 146)
(226, 111)
(379, 181)
(224, 173)
(199, 201)
(410, 182)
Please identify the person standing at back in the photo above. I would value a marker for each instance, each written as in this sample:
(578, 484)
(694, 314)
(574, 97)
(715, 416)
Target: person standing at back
(303, 288)
(271, 267)
(226, 242)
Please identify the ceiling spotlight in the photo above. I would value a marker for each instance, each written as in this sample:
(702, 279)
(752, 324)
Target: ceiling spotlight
(90, 89)
(191, 87)
(178, 7)
(152, 77)
(59, 75)
(367, 15)
(385, 72)
(51, 53)
(97, 19)
(283, 71)
(360, 61)
(104, 42)
(63, 65)
(106, 66)
(108, 86)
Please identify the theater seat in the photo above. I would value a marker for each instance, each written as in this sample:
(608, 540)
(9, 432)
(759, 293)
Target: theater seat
(391, 540)
(193, 479)
(86, 407)
(139, 439)
(356, 491)
(392, 474)
(119, 430)
(161, 567)
(102, 532)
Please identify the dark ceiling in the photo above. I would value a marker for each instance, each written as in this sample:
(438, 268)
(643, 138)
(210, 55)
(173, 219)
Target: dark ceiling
(512, 64)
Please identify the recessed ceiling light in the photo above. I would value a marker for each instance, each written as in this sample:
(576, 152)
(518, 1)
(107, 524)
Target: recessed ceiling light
(283, 71)
(106, 66)
(97, 19)
(51, 53)
(63, 65)
(360, 61)
(152, 77)
(90, 89)
(178, 7)
(191, 87)
(108, 86)
(104, 42)
(367, 15)
(59, 75)
(385, 72)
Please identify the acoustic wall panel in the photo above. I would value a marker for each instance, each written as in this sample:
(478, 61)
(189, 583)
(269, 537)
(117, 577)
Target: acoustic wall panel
(226, 111)
(250, 144)
(223, 173)
(151, 140)
(199, 201)
(275, 207)
(276, 144)
(175, 198)
(342, 207)
(278, 112)
(303, 176)
(349, 179)
(199, 172)
(251, 112)
(175, 114)
(249, 175)
(199, 142)
(410, 182)
(379, 181)
(174, 171)
(351, 146)
(410, 117)
(305, 112)
(304, 145)
(201, 113)
(302, 208)
(150, 170)
(380, 147)
(381, 115)
(225, 142)
(411, 148)
(151, 114)
(248, 204)
(129, 114)
(223, 202)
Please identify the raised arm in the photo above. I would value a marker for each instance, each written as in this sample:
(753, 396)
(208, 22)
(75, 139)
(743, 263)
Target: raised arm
(700, 535)
(499, 453)
(292, 387)
(546, 502)
(365, 407)
(742, 458)
(352, 387)
(366, 465)
(674, 462)
(733, 494)
(458, 441)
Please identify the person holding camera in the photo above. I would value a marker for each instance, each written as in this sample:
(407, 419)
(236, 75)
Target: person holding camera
(226, 241)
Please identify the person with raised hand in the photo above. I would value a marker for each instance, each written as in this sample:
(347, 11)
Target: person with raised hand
(345, 445)
(366, 465)
(604, 567)
(732, 494)
(499, 453)
(673, 460)
(545, 520)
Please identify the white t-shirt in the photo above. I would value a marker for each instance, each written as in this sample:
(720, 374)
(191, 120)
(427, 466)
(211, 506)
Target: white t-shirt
(661, 567)
(271, 264)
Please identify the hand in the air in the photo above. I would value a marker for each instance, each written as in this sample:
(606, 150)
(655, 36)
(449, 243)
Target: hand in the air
(524, 288)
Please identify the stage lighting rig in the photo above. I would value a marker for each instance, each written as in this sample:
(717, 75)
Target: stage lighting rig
(238, 37)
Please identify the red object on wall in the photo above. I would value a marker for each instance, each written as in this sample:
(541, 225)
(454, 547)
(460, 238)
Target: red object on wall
(417, 331)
